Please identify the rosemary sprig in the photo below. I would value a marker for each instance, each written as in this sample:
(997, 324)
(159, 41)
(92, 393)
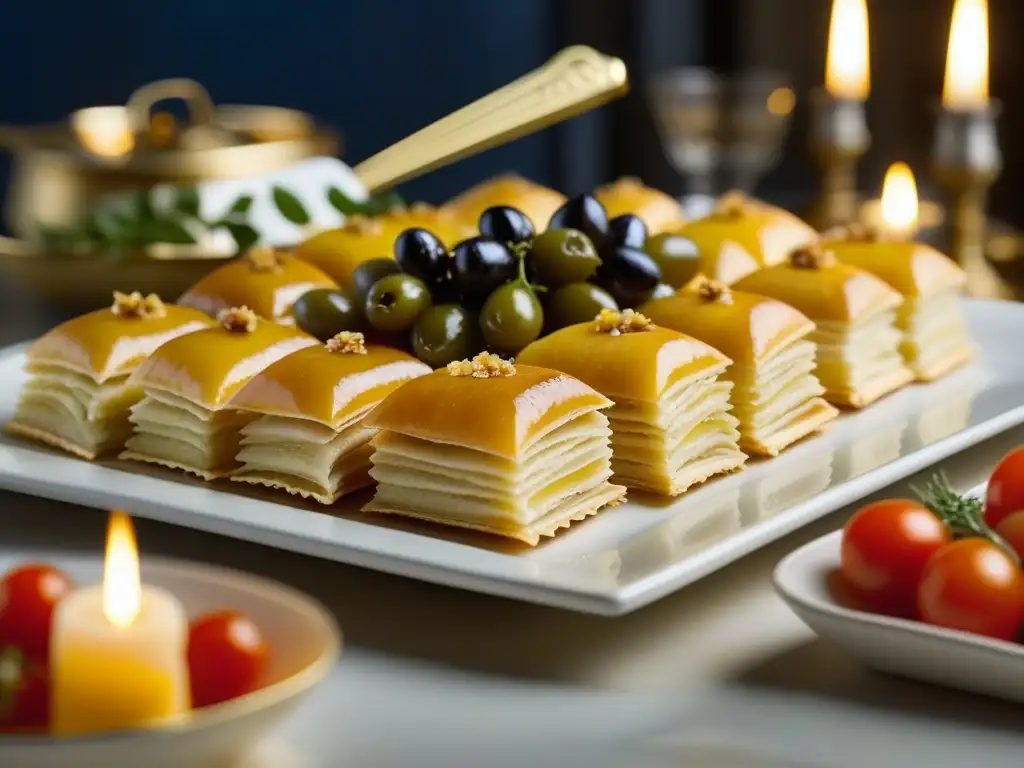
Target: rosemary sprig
(963, 515)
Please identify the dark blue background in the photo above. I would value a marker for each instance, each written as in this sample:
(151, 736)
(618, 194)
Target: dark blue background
(377, 69)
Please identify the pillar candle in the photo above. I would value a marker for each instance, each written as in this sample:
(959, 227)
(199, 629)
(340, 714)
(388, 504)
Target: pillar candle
(107, 677)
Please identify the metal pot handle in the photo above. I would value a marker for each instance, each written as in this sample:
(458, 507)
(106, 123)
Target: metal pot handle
(141, 102)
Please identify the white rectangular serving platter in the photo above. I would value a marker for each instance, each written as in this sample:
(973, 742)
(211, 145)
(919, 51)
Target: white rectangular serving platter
(906, 648)
(619, 560)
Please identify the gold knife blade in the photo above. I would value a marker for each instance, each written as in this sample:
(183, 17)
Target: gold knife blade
(573, 81)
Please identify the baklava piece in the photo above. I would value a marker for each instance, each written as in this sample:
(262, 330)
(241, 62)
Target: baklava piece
(775, 394)
(338, 252)
(308, 437)
(858, 344)
(670, 422)
(266, 280)
(538, 202)
(184, 421)
(742, 235)
(77, 397)
(935, 339)
(510, 450)
(660, 212)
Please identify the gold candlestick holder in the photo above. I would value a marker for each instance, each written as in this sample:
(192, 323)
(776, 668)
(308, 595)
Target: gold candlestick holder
(966, 160)
(839, 138)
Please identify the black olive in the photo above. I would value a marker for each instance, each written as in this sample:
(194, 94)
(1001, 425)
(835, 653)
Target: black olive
(422, 254)
(506, 224)
(587, 215)
(482, 264)
(628, 230)
(630, 268)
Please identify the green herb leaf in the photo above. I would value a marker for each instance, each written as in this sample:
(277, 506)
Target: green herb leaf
(344, 204)
(244, 235)
(383, 203)
(165, 231)
(241, 205)
(187, 201)
(290, 207)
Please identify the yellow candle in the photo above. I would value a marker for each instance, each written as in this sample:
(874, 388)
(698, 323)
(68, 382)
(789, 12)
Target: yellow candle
(900, 206)
(118, 657)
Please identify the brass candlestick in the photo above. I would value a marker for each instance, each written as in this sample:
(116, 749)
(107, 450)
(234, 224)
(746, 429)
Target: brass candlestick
(839, 137)
(966, 160)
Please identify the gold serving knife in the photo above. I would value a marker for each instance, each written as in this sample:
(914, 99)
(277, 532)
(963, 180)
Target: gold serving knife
(573, 81)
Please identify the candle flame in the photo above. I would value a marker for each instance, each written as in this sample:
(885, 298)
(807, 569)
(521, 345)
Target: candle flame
(122, 584)
(848, 63)
(104, 131)
(966, 84)
(900, 205)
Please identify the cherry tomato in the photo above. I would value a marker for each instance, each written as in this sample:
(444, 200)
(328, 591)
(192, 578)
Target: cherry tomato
(24, 692)
(27, 598)
(227, 657)
(1012, 530)
(885, 547)
(975, 586)
(1005, 494)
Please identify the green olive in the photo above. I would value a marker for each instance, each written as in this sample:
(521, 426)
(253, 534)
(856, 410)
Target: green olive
(562, 256)
(678, 257)
(576, 303)
(394, 302)
(368, 273)
(511, 317)
(442, 334)
(326, 312)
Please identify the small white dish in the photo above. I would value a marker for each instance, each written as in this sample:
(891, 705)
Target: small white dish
(304, 645)
(897, 646)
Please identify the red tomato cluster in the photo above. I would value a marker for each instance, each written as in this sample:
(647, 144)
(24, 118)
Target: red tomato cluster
(950, 561)
(227, 654)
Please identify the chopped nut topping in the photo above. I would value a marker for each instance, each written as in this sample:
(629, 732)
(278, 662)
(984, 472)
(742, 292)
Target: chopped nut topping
(712, 290)
(362, 225)
(264, 259)
(347, 343)
(484, 366)
(421, 209)
(855, 233)
(134, 304)
(732, 205)
(616, 323)
(812, 256)
(238, 319)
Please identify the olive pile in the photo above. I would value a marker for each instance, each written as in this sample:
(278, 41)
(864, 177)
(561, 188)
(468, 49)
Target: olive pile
(503, 288)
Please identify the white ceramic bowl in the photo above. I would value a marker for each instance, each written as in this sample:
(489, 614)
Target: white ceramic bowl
(304, 641)
(906, 648)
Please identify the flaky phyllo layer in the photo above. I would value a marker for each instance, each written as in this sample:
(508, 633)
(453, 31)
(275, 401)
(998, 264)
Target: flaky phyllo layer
(860, 362)
(935, 338)
(560, 477)
(306, 458)
(683, 439)
(175, 432)
(70, 410)
(778, 400)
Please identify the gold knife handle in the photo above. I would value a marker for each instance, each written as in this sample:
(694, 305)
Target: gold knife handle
(573, 81)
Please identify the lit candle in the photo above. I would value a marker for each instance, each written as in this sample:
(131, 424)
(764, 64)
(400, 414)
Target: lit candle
(966, 84)
(900, 213)
(847, 65)
(899, 201)
(118, 657)
(104, 131)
